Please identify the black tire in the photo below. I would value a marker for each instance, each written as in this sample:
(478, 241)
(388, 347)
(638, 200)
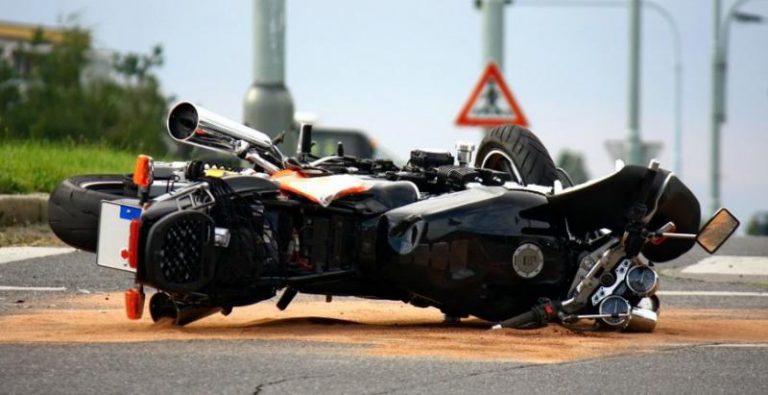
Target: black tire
(517, 151)
(75, 205)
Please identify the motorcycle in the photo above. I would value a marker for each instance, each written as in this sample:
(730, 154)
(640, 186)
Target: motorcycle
(509, 240)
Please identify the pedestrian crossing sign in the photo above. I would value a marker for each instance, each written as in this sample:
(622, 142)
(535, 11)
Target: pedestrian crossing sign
(491, 103)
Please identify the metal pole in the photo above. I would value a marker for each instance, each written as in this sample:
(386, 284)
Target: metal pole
(492, 20)
(718, 68)
(268, 105)
(634, 147)
(678, 68)
(269, 41)
(677, 154)
(719, 74)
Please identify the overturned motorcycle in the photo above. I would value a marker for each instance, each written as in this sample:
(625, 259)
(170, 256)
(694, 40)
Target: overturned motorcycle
(509, 240)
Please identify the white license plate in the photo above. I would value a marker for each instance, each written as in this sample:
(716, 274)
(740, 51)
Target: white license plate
(114, 231)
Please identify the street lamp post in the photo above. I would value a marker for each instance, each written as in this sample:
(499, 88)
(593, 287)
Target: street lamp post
(677, 48)
(721, 30)
(634, 146)
(677, 156)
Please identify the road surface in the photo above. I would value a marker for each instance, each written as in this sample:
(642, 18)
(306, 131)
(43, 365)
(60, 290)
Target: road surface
(34, 283)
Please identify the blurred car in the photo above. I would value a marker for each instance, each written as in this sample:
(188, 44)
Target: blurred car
(758, 224)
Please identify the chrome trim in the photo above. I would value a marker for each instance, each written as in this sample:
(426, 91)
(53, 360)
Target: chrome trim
(464, 152)
(651, 213)
(221, 237)
(621, 274)
(189, 192)
(255, 158)
(87, 185)
(688, 236)
(595, 316)
(589, 283)
(642, 320)
(511, 163)
(194, 125)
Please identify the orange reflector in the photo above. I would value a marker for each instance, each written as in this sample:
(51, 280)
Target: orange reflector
(142, 172)
(133, 243)
(134, 303)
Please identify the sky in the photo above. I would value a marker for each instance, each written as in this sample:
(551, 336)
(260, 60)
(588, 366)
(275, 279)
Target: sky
(402, 69)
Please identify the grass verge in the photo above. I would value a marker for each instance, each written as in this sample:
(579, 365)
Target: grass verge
(33, 235)
(35, 166)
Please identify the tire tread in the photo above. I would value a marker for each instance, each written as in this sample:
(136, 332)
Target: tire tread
(529, 154)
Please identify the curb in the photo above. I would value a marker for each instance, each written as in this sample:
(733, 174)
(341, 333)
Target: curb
(23, 209)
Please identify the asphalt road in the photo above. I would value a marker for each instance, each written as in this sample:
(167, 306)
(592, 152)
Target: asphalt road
(264, 367)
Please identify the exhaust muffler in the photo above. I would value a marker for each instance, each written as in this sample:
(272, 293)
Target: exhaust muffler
(194, 125)
(161, 306)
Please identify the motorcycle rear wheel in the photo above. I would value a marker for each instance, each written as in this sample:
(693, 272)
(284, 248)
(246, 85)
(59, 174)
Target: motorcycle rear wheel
(75, 205)
(517, 151)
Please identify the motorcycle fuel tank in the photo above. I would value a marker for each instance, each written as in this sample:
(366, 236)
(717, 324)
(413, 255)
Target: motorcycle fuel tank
(467, 248)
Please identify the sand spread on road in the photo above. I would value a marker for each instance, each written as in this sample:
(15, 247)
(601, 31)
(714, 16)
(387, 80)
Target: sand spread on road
(379, 328)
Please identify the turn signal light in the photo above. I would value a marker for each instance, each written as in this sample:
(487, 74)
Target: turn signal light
(134, 303)
(133, 243)
(142, 171)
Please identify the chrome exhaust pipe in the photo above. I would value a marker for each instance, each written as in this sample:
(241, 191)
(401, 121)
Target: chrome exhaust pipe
(194, 125)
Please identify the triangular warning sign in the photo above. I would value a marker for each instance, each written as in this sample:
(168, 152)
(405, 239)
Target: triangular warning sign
(491, 103)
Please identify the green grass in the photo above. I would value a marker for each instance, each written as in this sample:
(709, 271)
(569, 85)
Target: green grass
(34, 166)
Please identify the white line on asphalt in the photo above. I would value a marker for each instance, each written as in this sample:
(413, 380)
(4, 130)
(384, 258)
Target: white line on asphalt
(33, 289)
(711, 293)
(13, 254)
(740, 345)
(724, 264)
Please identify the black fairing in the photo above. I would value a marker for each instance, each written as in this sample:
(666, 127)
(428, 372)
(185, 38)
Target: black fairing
(455, 251)
(181, 252)
(381, 197)
(172, 229)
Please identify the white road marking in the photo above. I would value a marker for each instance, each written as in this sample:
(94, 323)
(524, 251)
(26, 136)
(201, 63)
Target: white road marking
(33, 289)
(740, 345)
(13, 254)
(723, 264)
(711, 293)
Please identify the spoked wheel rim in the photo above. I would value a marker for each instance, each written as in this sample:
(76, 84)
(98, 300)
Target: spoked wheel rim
(499, 160)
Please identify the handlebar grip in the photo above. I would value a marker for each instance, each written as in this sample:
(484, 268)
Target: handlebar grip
(520, 321)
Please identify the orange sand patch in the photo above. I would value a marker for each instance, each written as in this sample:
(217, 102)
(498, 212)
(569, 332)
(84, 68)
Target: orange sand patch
(381, 328)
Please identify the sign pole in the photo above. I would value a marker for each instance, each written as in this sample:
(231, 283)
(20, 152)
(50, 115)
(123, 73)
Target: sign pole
(492, 14)
(492, 21)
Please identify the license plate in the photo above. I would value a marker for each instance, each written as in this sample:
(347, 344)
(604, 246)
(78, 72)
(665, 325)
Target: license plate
(114, 230)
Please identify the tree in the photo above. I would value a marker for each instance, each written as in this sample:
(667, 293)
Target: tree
(53, 97)
(573, 164)
(758, 224)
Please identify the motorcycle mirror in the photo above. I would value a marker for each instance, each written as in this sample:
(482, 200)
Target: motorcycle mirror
(717, 230)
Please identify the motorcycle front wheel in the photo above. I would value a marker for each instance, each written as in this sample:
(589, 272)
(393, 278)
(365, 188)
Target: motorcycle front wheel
(518, 152)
